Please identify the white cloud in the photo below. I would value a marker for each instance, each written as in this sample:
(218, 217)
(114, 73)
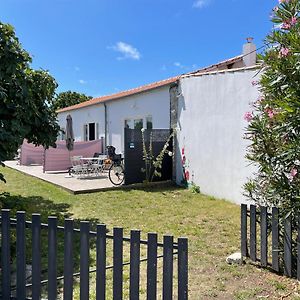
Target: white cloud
(77, 69)
(178, 64)
(81, 81)
(184, 67)
(127, 51)
(200, 3)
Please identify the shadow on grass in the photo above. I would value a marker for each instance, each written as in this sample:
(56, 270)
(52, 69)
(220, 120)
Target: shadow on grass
(152, 187)
(46, 208)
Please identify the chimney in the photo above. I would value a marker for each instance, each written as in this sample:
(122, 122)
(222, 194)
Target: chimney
(249, 52)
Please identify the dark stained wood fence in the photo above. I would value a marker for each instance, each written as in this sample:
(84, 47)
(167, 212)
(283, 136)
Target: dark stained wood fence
(34, 228)
(281, 251)
(133, 155)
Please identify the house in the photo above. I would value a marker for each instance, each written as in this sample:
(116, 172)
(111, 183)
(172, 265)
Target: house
(205, 106)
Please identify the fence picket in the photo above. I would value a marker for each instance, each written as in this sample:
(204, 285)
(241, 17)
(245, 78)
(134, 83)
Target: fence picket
(5, 254)
(275, 239)
(101, 263)
(152, 266)
(263, 236)
(84, 260)
(287, 245)
(52, 258)
(36, 256)
(118, 261)
(168, 268)
(134, 286)
(253, 232)
(244, 247)
(182, 268)
(21, 258)
(68, 259)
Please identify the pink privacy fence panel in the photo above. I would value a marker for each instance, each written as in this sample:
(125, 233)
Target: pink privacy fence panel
(31, 155)
(58, 159)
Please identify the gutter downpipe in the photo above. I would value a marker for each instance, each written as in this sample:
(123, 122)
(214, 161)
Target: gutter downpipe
(105, 126)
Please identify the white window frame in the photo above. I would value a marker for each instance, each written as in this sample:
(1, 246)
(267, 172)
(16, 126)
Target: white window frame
(86, 132)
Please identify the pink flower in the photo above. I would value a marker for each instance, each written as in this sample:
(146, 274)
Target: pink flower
(187, 175)
(248, 116)
(271, 113)
(283, 1)
(293, 21)
(284, 52)
(275, 8)
(292, 174)
(254, 82)
(286, 25)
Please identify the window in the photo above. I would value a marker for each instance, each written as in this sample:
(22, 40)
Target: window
(128, 124)
(149, 124)
(138, 123)
(90, 131)
(62, 134)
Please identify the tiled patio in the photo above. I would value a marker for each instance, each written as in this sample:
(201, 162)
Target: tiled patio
(73, 184)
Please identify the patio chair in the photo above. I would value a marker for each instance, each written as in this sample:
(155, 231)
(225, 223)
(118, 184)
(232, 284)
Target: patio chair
(97, 167)
(78, 168)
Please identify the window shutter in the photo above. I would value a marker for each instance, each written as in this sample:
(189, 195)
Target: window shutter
(97, 131)
(85, 132)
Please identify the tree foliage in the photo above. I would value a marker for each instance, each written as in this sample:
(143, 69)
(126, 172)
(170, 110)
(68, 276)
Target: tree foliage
(68, 98)
(274, 124)
(25, 99)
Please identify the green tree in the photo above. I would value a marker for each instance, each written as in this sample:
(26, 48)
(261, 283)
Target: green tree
(25, 99)
(274, 125)
(68, 98)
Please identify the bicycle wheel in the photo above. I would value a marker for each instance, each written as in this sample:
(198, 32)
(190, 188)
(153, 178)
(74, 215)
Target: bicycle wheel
(116, 174)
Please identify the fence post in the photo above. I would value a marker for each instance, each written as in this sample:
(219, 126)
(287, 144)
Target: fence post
(5, 253)
(117, 262)
(36, 256)
(275, 239)
(168, 268)
(84, 260)
(52, 255)
(253, 232)
(287, 246)
(264, 236)
(101, 262)
(244, 249)
(68, 259)
(152, 266)
(183, 268)
(21, 258)
(134, 287)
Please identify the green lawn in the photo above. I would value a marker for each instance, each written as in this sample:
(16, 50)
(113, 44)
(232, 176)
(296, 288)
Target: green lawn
(212, 227)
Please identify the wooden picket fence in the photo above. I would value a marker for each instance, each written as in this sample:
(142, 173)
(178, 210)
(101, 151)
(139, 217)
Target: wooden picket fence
(268, 222)
(34, 228)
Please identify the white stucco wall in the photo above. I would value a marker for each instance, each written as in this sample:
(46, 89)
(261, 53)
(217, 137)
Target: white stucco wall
(89, 114)
(155, 103)
(211, 128)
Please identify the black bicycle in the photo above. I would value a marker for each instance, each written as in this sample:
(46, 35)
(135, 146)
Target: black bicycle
(116, 170)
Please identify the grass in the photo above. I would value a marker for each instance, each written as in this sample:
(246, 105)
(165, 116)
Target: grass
(211, 225)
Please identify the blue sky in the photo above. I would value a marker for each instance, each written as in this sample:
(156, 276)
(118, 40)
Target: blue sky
(101, 47)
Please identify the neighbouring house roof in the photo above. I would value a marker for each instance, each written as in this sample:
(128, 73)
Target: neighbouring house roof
(223, 64)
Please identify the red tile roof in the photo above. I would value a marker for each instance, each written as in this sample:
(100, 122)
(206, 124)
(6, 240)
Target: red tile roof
(148, 87)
